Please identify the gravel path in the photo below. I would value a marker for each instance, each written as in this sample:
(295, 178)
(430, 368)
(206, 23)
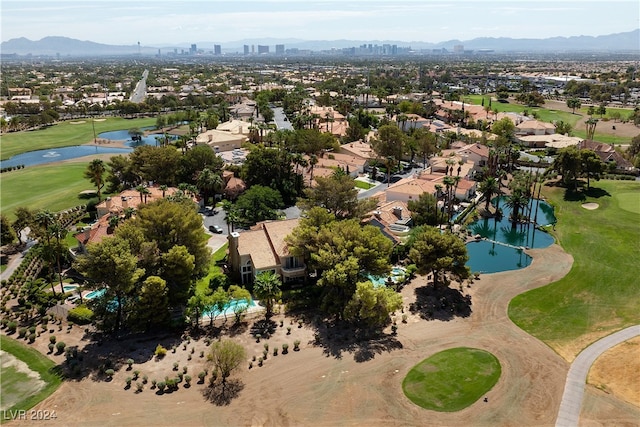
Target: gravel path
(569, 413)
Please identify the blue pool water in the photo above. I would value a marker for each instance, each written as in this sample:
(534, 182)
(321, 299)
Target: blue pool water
(229, 307)
(396, 274)
(95, 294)
(69, 288)
(123, 135)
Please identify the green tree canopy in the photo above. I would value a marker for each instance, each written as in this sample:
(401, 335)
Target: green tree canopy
(266, 287)
(439, 253)
(337, 193)
(96, 174)
(259, 203)
(372, 305)
(226, 356)
(178, 269)
(424, 210)
(151, 308)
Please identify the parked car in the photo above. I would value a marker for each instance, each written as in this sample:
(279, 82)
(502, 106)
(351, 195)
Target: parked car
(215, 229)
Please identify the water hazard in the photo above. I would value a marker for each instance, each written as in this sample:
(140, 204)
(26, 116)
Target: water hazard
(503, 244)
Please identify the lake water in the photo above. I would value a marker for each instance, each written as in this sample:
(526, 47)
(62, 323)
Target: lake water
(39, 157)
(502, 249)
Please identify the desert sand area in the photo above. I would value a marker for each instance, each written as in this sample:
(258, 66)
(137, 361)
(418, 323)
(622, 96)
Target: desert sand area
(361, 385)
(346, 383)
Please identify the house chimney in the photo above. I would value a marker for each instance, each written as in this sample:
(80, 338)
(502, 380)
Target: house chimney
(397, 211)
(87, 233)
(234, 256)
(125, 202)
(108, 203)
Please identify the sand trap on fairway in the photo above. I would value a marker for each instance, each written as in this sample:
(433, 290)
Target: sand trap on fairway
(590, 206)
(79, 122)
(99, 120)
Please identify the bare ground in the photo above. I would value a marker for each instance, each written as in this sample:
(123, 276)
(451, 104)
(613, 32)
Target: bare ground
(617, 371)
(344, 381)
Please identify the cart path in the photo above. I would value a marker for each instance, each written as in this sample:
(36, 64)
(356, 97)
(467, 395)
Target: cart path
(569, 413)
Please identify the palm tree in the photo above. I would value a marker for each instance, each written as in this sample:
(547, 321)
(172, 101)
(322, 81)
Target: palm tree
(95, 174)
(516, 201)
(143, 192)
(163, 188)
(488, 187)
(43, 221)
(208, 181)
(267, 289)
(313, 160)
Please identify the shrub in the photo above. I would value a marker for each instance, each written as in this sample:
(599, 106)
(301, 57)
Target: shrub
(288, 330)
(266, 346)
(184, 369)
(32, 338)
(161, 386)
(175, 366)
(109, 373)
(202, 354)
(153, 383)
(145, 379)
(201, 376)
(128, 381)
(136, 374)
(81, 315)
(32, 330)
(300, 323)
(187, 379)
(52, 339)
(285, 348)
(160, 351)
(22, 332)
(51, 347)
(60, 345)
(139, 387)
(260, 361)
(275, 351)
(296, 345)
(129, 363)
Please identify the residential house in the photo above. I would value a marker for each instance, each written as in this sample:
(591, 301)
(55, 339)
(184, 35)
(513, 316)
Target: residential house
(555, 140)
(607, 154)
(220, 141)
(262, 249)
(534, 127)
(393, 218)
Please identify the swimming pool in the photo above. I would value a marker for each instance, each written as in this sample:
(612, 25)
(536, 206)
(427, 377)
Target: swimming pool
(397, 274)
(229, 308)
(69, 288)
(95, 294)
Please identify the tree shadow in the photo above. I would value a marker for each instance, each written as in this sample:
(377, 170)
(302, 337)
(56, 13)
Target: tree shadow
(440, 303)
(596, 192)
(571, 195)
(221, 394)
(337, 337)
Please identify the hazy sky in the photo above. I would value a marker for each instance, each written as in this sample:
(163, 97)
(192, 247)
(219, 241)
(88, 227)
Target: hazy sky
(163, 23)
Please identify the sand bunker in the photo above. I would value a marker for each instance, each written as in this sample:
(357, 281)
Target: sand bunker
(79, 122)
(99, 120)
(590, 206)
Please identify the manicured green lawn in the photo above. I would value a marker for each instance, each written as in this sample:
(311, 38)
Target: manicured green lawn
(202, 285)
(600, 294)
(64, 134)
(363, 185)
(544, 114)
(11, 379)
(452, 379)
(53, 187)
(603, 137)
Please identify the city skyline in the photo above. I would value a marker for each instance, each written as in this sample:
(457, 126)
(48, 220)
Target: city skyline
(164, 23)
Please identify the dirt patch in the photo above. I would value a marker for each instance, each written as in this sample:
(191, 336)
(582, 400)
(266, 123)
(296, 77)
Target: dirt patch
(14, 387)
(342, 381)
(617, 371)
(590, 206)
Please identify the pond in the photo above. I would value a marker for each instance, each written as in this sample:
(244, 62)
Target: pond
(39, 157)
(503, 244)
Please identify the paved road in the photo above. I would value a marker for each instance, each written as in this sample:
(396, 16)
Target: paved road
(569, 413)
(281, 119)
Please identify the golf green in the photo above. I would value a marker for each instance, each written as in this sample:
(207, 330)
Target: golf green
(452, 379)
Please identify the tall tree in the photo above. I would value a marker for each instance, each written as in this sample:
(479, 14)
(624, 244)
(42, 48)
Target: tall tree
(258, 203)
(110, 263)
(424, 210)
(226, 356)
(178, 268)
(208, 182)
(489, 187)
(152, 305)
(439, 253)
(371, 306)
(337, 193)
(573, 103)
(267, 289)
(7, 234)
(95, 173)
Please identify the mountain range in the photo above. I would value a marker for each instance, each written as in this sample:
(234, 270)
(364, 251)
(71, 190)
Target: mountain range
(64, 46)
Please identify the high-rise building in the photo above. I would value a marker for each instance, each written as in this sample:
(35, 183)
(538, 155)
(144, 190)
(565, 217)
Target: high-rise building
(246, 49)
(217, 49)
(279, 49)
(263, 49)
(193, 50)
